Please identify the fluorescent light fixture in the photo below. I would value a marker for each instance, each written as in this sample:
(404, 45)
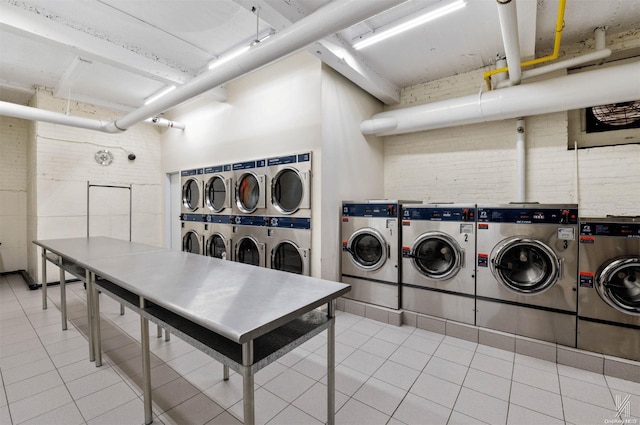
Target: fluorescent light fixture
(226, 58)
(393, 30)
(159, 94)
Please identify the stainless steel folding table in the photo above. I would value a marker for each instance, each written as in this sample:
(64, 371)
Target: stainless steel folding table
(68, 255)
(244, 316)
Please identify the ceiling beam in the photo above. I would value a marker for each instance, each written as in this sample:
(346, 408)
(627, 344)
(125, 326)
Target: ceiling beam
(32, 25)
(527, 14)
(333, 51)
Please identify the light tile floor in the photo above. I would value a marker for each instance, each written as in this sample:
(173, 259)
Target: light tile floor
(384, 375)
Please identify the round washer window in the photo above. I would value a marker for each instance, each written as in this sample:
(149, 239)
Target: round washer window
(248, 192)
(287, 191)
(437, 256)
(216, 246)
(286, 257)
(215, 193)
(191, 194)
(618, 283)
(525, 266)
(191, 242)
(247, 252)
(368, 249)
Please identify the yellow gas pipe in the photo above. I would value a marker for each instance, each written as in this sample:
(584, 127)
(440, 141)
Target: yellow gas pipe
(553, 56)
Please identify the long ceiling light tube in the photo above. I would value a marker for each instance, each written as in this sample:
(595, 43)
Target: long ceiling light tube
(396, 28)
(602, 86)
(333, 17)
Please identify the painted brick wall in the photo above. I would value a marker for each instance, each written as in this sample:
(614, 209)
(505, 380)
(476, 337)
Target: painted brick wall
(476, 163)
(63, 162)
(13, 194)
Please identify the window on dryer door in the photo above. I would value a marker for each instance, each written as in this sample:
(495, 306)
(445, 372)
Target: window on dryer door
(286, 257)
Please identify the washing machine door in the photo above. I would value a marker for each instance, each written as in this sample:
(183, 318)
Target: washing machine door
(217, 246)
(249, 251)
(525, 266)
(367, 249)
(288, 257)
(250, 192)
(618, 283)
(290, 190)
(191, 194)
(217, 193)
(191, 242)
(437, 256)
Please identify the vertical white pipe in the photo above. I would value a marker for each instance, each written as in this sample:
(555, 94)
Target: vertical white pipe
(521, 161)
(577, 175)
(599, 35)
(509, 26)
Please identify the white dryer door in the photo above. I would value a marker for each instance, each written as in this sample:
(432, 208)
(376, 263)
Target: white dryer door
(525, 266)
(218, 247)
(618, 283)
(437, 256)
(288, 257)
(368, 249)
(250, 251)
(191, 242)
(217, 193)
(290, 190)
(191, 194)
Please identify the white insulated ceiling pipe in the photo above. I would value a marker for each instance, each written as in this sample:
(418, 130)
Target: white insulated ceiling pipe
(509, 27)
(599, 87)
(335, 16)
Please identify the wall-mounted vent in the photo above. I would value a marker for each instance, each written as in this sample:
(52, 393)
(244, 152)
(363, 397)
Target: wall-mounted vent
(613, 117)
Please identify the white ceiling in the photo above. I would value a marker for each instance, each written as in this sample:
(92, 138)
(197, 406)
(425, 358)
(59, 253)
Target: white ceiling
(116, 53)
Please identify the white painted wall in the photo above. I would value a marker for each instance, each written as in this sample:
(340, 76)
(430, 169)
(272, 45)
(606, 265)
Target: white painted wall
(476, 163)
(61, 161)
(352, 164)
(271, 112)
(14, 134)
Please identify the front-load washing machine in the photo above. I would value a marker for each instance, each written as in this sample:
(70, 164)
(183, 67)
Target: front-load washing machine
(250, 182)
(249, 240)
(438, 260)
(192, 233)
(289, 244)
(609, 292)
(218, 189)
(370, 259)
(290, 185)
(218, 236)
(192, 198)
(527, 264)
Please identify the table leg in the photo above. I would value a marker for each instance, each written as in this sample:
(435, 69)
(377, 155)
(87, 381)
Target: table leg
(159, 332)
(63, 295)
(167, 335)
(121, 309)
(90, 320)
(247, 384)
(44, 278)
(225, 372)
(146, 367)
(97, 340)
(331, 365)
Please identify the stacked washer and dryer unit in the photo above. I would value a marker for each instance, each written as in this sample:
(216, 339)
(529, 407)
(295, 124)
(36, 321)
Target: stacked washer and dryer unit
(255, 212)
(192, 209)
